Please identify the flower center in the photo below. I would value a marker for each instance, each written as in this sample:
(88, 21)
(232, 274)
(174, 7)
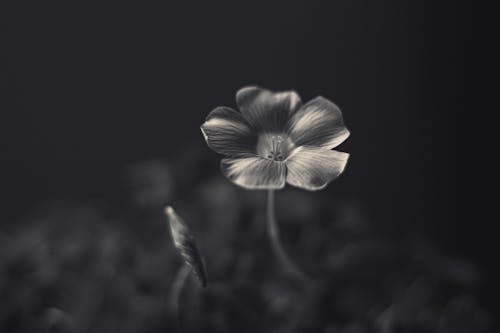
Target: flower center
(274, 147)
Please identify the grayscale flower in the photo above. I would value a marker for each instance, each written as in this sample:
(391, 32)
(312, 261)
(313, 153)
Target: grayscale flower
(276, 139)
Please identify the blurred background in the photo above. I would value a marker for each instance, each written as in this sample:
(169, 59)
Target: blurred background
(101, 103)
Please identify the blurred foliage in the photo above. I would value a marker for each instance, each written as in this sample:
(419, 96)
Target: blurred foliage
(75, 267)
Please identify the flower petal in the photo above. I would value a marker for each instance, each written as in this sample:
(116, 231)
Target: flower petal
(266, 110)
(318, 123)
(254, 172)
(312, 168)
(227, 132)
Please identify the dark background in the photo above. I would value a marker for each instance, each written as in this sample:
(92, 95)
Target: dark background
(90, 87)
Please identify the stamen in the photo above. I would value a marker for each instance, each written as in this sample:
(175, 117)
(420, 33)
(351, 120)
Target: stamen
(276, 144)
(275, 152)
(273, 147)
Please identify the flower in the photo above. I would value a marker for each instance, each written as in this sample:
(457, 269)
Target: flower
(276, 139)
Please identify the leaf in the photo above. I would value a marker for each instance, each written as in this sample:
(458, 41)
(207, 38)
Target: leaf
(185, 244)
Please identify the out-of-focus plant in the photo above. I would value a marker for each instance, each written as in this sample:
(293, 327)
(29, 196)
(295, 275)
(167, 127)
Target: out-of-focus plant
(75, 266)
(275, 140)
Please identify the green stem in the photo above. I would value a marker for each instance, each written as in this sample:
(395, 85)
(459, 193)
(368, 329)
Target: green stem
(273, 232)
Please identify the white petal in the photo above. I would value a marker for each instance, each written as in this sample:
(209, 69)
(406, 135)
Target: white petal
(227, 132)
(312, 168)
(318, 123)
(254, 172)
(266, 110)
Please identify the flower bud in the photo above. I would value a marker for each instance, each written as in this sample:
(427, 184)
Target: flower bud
(186, 245)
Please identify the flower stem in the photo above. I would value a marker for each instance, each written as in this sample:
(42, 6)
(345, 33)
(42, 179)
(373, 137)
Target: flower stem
(273, 232)
(176, 291)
